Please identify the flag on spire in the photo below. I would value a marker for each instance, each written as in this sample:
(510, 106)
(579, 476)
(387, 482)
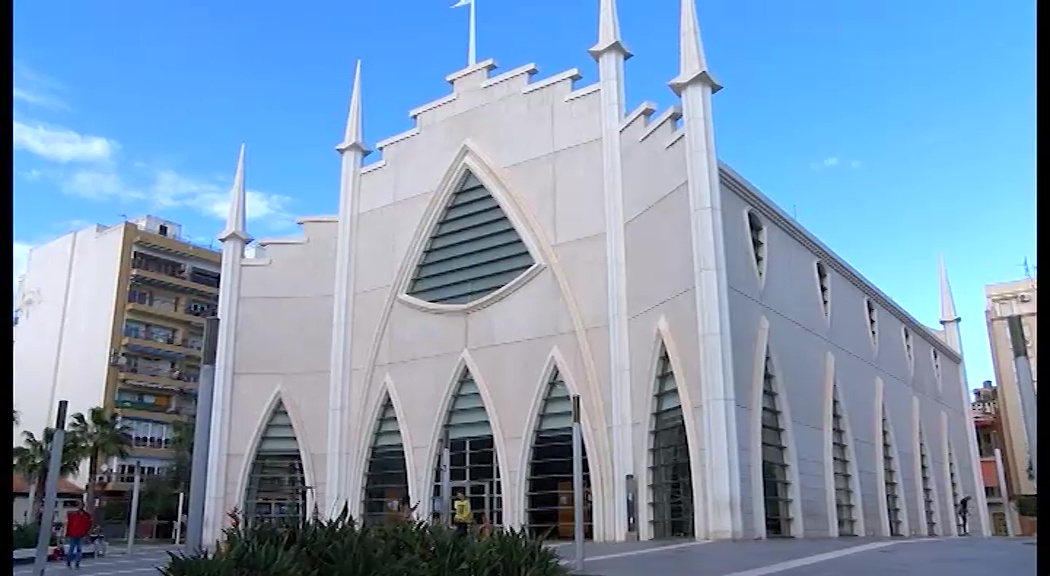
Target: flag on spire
(471, 31)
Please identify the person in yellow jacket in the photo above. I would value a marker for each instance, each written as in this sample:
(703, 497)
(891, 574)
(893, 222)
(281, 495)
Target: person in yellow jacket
(462, 517)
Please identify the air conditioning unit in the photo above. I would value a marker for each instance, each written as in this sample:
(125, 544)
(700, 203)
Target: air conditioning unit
(1025, 297)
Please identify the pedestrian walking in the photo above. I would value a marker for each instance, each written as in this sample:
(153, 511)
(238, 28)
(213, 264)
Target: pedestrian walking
(78, 527)
(964, 512)
(463, 516)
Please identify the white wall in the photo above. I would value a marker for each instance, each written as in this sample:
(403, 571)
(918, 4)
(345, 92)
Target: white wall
(801, 337)
(72, 282)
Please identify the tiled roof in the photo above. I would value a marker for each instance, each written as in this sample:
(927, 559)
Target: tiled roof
(21, 486)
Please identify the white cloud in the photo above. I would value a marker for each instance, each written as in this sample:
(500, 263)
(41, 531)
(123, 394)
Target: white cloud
(36, 89)
(62, 145)
(170, 189)
(38, 99)
(832, 161)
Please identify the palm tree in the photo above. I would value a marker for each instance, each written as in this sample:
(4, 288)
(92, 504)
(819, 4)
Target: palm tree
(103, 437)
(34, 456)
(182, 445)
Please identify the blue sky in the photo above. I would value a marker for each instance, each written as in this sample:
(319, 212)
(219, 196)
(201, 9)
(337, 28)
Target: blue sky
(893, 129)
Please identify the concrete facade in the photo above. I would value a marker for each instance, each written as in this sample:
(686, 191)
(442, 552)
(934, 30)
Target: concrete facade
(98, 325)
(641, 244)
(1018, 298)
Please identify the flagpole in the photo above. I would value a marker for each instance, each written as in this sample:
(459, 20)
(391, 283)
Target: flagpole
(472, 39)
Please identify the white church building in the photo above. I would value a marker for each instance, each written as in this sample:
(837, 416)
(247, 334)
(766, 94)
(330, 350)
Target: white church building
(530, 240)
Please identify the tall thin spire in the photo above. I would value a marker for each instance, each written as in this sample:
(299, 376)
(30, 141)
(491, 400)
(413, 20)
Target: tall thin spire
(692, 62)
(351, 152)
(236, 221)
(609, 31)
(234, 238)
(948, 313)
(352, 138)
(695, 86)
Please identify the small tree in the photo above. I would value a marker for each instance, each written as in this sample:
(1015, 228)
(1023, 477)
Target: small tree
(103, 437)
(16, 418)
(33, 458)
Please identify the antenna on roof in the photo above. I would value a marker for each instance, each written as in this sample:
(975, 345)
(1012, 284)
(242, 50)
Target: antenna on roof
(1027, 271)
(123, 217)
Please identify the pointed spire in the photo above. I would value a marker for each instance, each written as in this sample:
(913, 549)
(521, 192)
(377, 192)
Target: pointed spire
(948, 313)
(608, 31)
(235, 222)
(352, 139)
(693, 63)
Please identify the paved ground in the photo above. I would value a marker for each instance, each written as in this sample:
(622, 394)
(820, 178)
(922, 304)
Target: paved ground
(808, 557)
(813, 557)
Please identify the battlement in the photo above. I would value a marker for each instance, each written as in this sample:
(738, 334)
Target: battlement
(476, 86)
(663, 126)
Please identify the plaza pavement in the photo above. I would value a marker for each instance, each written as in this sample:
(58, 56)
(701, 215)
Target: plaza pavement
(803, 557)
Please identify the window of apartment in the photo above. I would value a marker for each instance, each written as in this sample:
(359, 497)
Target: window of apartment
(195, 340)
(147, 433)
(205, 277)
(137, 296)
(986, 443)
(992, 492)
(133, 329)
(150, 366)
(873, 321)
(163, 229)
(757, 231)
(936, 365)
(909, 350)
(200, 309)
(142, 401)
(1006, 307)
(824, 282)
(125, 469)
(150, 263)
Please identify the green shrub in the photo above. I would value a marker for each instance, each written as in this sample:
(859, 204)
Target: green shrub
(25, 535)
(340, 547)
(1026, 506)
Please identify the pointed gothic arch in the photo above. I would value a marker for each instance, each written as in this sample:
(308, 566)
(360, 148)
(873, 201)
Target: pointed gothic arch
(955, 490)
(549, 483)
(927, 484)
(846, 516)
(672, 501)
(774, 471)
(274, 486)
(893, 511)
(473, 247)
(475, 447)
(386, 497)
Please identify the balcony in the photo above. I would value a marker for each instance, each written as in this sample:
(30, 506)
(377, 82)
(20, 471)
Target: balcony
(159, 379)
(165, 308)
(159, 344)
(144, 411)
(171, 281)
(176, 245)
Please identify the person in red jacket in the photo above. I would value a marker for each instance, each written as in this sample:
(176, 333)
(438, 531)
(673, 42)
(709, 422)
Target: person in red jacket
(78, 526)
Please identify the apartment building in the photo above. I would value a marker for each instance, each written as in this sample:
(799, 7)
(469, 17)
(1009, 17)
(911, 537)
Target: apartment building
(1005, 520)
(113, 316)
(1017, 298)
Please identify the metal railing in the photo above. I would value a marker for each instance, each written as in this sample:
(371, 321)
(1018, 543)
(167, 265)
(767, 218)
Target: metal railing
(161, 373)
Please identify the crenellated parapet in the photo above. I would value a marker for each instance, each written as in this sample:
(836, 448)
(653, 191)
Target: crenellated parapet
(477, 86)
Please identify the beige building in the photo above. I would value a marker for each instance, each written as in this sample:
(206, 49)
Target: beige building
(1016, 298)
(113, 316)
